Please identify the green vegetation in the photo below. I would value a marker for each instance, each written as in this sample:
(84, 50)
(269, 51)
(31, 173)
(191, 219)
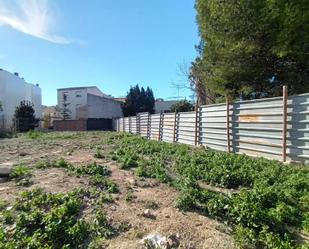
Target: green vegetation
(65, 112)
(182, 106)
(151, 205)
(252, 48)
(138, 100)
(34, 134)
(57, 220)
(97, 173)
(44, 220)
(98, 154)
(21, 175)
(270, 197)
(47, 136)
(24, 117)
(5, 133)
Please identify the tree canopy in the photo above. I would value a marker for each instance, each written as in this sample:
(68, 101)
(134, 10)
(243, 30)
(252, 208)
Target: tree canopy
(253, 47)
(24, 118)
(65, 112)
(138, 100)
(182, 106)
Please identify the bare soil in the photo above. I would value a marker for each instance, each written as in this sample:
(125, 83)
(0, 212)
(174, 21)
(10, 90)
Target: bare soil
(135, 195)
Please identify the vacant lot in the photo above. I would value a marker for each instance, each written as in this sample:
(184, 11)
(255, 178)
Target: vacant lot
(76, 190)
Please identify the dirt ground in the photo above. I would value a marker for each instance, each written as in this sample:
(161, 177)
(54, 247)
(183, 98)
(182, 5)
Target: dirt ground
(136, 194)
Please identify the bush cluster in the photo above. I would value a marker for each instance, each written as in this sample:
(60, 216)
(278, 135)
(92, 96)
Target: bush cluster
(97, 173)
(270, 198)
(46, 220)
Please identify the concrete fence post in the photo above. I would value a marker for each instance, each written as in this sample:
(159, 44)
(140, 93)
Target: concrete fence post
(228, 125)
(175, 127)
(160, 126)
(197, 124)
(138, 124)
(130, 129)
(148, 126)
(284, 122)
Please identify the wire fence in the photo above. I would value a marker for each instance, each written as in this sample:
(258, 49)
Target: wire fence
(274, 128)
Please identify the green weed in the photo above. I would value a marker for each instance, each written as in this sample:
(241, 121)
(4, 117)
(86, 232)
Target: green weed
(274, 196)
(21, 175)
(44, 220)
(34, 134)
(98, 154)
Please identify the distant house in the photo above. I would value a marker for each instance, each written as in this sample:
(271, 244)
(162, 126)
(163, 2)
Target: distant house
(89, 103)
(121, 99)
(164, 106)
(13, 90)
(49, 114)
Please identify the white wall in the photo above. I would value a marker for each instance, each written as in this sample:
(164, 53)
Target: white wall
(91, 104)
(13, 90)
(100, 107)
(73, 98)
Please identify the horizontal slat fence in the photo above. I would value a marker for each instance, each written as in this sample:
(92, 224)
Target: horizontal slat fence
(143, 124)
(133, 125)
(257, 127)
(185, 128)
(274, 128)
(298, 128)
(212, 130)
(168, 126)
(155, 126)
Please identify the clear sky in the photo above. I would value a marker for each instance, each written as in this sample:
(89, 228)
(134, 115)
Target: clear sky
(108, 43)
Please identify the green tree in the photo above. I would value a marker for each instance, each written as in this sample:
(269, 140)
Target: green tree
(138, 100)
(253, 47)
(65, 112)
(24, 118)
(182, 106)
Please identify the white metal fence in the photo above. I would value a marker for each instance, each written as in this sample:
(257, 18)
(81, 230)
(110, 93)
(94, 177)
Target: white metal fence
(275, 128)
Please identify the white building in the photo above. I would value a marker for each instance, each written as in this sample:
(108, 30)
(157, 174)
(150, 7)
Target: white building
(13, 90)
(89, 102)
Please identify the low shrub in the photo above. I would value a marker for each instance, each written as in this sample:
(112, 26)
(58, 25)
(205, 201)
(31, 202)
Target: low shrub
(21, 175)
(43, 220)
(5, 133)
(98, 154)
(271, 197)
(34, 134)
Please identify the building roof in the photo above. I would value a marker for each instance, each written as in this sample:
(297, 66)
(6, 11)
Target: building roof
(94, 90)
(76, 88)
(15, 74)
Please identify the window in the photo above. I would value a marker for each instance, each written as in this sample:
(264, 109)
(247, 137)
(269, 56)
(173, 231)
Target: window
(78, 94)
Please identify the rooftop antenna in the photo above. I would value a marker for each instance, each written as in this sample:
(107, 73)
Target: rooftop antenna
(178, 87)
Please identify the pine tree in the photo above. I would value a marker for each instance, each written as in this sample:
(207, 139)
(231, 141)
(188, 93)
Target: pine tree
(138, 100)
(65, 112)
(252, 48)
(24, 118)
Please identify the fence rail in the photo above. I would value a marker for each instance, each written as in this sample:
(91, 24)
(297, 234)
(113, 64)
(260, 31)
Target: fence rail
(275, 128)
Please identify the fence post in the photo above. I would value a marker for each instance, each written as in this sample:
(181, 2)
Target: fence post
(228, 124)
(129, 124)
(197, 122)
(284, 122)
(175, 127)
(138, 124)
(160, 126)
(148, 126)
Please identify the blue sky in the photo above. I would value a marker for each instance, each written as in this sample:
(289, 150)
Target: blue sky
(108, 43)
